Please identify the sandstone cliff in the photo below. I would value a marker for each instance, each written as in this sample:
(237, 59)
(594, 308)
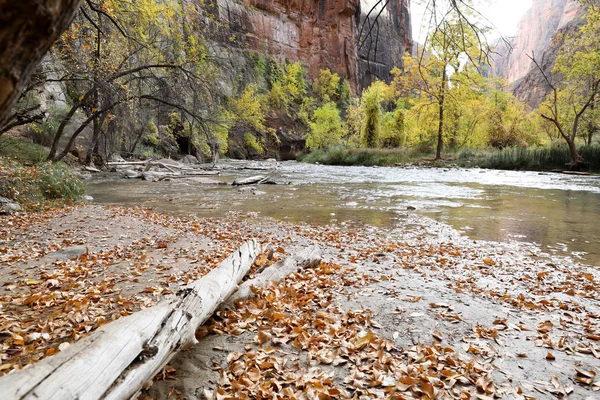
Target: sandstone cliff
(320, 33)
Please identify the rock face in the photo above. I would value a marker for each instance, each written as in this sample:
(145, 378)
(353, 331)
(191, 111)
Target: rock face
(386, 43)
(532, 89)
(320, 33)
(539, 33)
(534, 35)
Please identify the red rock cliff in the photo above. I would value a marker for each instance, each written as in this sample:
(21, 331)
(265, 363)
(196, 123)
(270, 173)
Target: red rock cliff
(320, 33)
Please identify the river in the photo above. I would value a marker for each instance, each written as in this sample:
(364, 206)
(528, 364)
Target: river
(558, 213)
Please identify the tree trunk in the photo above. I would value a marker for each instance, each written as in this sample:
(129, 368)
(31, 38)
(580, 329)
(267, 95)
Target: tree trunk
(591, 124)
(578, 161)
(93, 147)
(98, 121)
(441, 104)
(118, 359)
(27, 30)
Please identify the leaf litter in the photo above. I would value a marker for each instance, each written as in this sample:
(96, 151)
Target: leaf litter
(417, 312)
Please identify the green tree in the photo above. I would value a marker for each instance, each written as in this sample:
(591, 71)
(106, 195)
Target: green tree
(371, 100)
(393, 132)
(453, 53)
(326, 127)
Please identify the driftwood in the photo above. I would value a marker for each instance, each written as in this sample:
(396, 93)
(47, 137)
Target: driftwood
(253, 180)
(118, 359)
(169, 167)
(308, 258)
(249, 180)
(125, 163)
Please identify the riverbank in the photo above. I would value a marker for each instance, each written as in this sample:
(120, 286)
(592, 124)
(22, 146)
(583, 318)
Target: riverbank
(415, 310)
(513, 158)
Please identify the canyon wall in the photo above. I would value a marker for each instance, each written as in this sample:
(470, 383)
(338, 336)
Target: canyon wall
(320, 33)
(540, 33)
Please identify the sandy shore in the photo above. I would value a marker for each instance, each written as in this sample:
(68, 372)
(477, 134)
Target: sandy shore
(404, 313)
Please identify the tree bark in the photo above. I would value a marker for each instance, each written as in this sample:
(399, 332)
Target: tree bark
(118, 359)
(27, 30)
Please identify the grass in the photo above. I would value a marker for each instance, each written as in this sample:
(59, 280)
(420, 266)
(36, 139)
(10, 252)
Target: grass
(22, 150)
(515, 158)
(364, 157)
(538, 158)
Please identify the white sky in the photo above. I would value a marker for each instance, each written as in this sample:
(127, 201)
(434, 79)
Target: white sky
(503, 14)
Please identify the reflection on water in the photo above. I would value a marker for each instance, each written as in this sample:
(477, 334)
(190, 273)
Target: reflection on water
(558, 212)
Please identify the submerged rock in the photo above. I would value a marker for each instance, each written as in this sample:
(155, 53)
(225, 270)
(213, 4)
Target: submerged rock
(84, 176)
(249, 189)
(153, 176)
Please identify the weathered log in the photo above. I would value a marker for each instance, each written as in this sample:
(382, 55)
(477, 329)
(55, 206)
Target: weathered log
(118, 359)
(308, 258)
(252, 180)
(125, 163)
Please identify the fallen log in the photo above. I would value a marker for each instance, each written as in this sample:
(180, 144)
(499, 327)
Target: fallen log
(254, 180)
(118, 359)
(307, 258)
(125, 163)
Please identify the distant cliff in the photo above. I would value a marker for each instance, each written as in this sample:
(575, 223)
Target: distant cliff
(534, 35)
(537, 33)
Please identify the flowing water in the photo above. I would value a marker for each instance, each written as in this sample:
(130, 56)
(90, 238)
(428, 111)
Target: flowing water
(559, 213)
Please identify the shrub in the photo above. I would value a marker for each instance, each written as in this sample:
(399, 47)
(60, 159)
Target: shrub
(352, 157)
(327, 86)
(41, 185)
(253, 142)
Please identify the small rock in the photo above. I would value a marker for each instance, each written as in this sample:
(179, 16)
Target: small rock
(258, 193)
(68, 253)
(131, 174)
(8, 206)
(153, 176)
(249, 181)
(190, 159)
(203, 181)
(411, 208)
(12, 207)
(87, 198)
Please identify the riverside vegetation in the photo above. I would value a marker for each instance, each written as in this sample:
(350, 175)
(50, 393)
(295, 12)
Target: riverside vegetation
(441, 102)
